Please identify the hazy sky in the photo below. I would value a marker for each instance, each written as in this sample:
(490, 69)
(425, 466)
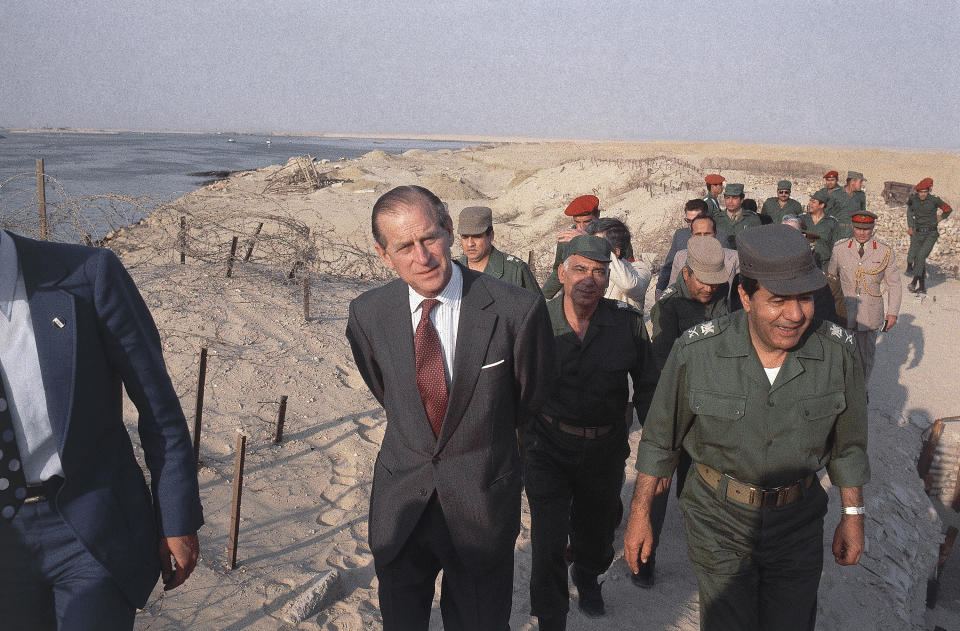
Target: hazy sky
(843, 73)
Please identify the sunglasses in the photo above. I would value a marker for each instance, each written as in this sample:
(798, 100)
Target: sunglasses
(783, 192)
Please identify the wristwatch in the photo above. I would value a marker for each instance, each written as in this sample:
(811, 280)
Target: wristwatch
(853, 510)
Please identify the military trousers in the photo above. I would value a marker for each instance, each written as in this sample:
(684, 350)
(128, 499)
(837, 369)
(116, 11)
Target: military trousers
(573, 487)
(757, 569)
(866, 351)
(921, 245)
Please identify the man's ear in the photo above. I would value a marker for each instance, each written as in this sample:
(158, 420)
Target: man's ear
(561, 272)
(383, 257)
(744, 299)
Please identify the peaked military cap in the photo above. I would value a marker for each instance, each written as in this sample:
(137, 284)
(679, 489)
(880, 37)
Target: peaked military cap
(855, 175)
(733, 189)
(475, 220)
(863, 216)
(821, 196)
(590, 246)
(784, 185)
(779, 258)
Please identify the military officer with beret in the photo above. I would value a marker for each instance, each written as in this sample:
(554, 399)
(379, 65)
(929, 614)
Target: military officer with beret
(776, 207)
(476, 238)
(867, 269)
(830, 179)
(922, 223)
(760, 400)
(824, 227)
(583, 209)
(843, 202)
(735, 219)
(575, 449)
(714, 191)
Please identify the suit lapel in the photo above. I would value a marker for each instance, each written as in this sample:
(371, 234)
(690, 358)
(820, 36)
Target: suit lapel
(53, 314)
(474, 330)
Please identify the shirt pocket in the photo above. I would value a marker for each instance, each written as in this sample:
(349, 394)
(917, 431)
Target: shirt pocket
(820, 415)
(718, 415)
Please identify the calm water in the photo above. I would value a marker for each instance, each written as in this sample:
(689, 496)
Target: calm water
(157, 165)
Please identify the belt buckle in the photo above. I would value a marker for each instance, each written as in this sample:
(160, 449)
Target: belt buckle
(36, 499)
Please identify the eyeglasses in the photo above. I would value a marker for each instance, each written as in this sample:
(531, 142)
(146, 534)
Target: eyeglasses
(783, 192)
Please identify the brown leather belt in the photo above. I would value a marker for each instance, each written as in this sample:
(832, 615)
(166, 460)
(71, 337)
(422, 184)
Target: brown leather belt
(576, 430)
(42, 491)
(755, 496)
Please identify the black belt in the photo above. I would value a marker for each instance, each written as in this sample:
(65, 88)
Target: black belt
(43, 491)
(926, 229)
(577, 430)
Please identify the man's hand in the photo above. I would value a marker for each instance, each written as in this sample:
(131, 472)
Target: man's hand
(566, 235)
(910, 231)
(637, 540)
(889, 321)
(185, 550)
(848, 540)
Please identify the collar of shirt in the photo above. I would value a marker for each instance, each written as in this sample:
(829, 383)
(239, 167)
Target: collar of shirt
(449, 296)
(9, 273)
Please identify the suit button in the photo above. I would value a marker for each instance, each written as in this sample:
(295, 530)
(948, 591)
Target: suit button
(436, 460)
(422, 492)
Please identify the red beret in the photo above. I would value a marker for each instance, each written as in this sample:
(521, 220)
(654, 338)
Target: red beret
(583, 205)
(832, 174)
(925, 183)
(713, 178)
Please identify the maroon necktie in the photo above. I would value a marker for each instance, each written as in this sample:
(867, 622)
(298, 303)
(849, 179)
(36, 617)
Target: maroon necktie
(431, 379)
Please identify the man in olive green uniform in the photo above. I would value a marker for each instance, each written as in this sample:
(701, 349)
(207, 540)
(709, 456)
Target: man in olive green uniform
(701, 294)
(574, 451)
(776, 207)
(760, 400)
(830, 179)
(714, 190)
(843, 202)
(922, 223)
(735, 219)
(867, 269)
(824, 226)
(475, 226)
(583, 209)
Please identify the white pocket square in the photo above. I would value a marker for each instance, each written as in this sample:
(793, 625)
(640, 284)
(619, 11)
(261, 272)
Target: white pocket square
(492, 365)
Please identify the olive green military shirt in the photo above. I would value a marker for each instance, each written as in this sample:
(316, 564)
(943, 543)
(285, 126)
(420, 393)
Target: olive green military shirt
(507, 267)
(828, 229)
(592, 390)
(843, 206)
(552, 285)
(725, 224)
(714, 401)
(772, 208)
(829, 191)
(923, 214)
(675, 312)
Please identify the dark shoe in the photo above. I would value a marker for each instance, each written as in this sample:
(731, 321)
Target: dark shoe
(644, 578)
(913, 284)
(922, 287)
(909, 269)
(552, 623)
(590, 600)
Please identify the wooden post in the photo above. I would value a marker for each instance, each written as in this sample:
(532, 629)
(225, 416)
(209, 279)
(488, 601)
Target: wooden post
(233, 253)
(182, 239)
(306, 297)
(281, 415)
(246, 257)
(237, 493)
(531, 263)
(198, 411)
(929, 448)
(42, 201)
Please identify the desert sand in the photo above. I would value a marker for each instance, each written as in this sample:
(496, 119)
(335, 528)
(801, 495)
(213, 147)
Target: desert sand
(305, 500)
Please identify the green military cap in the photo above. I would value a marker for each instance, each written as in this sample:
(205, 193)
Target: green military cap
(705, 258)
(733, 190)
(821, 196)
(855, 175)
(475, 220)
(784, 185)
(590, 246)
(779, 258)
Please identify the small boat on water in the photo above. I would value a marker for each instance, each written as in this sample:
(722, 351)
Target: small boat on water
(231, 140)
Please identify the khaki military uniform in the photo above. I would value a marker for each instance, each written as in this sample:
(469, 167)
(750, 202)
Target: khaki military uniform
(508, 268)
(733, 226)
(922, 217)
(864, 281)
(771, 207)
(757, 567)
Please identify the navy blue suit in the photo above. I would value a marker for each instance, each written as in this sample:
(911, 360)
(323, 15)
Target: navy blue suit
(108, 339)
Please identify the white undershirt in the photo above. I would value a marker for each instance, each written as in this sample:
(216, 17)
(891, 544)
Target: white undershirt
(772, 373)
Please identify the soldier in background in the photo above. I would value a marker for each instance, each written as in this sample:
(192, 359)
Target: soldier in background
(475, 227)
(830, 178)
(867, 270)
(714, 191)
(691, 210)
(776, 207)
(735, 219)
(583, 209)
(706, 226)
(846, 201)
(824, 226)
(922, 224)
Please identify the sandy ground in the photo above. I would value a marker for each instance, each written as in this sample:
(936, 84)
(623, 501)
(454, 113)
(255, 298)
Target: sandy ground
(305, 500)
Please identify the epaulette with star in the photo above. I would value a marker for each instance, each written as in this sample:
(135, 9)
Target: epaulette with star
(511, 257)
(837, 333)
(668, 292)
(704, 330)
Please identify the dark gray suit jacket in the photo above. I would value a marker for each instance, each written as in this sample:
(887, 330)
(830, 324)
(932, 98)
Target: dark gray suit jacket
(503, 365)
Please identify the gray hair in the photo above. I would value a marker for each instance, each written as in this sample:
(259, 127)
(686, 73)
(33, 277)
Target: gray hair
(392, 202)
(794, 221)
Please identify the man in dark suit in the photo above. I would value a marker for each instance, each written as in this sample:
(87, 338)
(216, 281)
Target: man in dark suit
(82, 538)
(457, 359)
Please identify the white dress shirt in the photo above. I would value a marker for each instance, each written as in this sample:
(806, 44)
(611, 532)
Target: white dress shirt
(628, 282)
(445, 316)
(20, 370)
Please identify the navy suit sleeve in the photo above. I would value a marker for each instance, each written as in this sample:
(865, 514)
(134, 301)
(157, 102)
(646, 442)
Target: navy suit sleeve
(132, 344)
